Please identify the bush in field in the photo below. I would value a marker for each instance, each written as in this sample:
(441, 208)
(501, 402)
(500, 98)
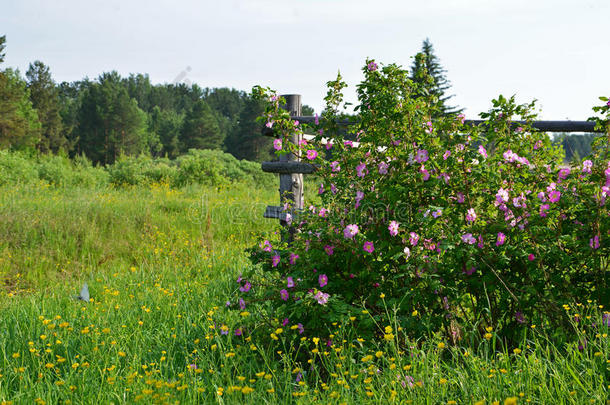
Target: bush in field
(61, 171)
(205, 167)
(16, 168)
(215, 168)
(197, 167)
(141, 170)
(87, 175)
(20, 168)
(454, 227)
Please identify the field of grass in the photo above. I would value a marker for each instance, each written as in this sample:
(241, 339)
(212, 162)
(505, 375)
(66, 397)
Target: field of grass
(160, 263)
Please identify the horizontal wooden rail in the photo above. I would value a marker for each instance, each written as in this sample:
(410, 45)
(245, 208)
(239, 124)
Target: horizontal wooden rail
(275, 212)
(545, 126)
(289, 167)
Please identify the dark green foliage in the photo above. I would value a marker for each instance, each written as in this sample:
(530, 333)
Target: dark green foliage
(227, 102)
(140, 88)
(227, 105)
(110, 123)
(430, 75)
(200, 129)
(45, 99)
(246, 142)
(70, 95)
(19, 125)
(114, 116)
(166, 124)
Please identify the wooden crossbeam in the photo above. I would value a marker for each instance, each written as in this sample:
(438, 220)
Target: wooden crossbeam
(275, 212)
(544, 126)
(289, 167)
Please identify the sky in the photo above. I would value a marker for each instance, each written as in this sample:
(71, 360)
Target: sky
(555, 51)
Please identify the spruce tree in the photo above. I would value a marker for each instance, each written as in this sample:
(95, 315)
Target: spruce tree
(430, 75)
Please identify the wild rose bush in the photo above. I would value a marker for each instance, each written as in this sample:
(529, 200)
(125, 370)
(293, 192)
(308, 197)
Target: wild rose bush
(447, 225)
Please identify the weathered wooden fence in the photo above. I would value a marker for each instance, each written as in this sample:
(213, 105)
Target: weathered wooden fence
(291, 169)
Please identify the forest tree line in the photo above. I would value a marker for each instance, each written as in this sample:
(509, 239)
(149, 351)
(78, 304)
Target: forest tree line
(111, 115)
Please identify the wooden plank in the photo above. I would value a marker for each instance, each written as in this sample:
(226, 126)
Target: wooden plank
(549, 126)
(544, 126)
(289, 167)
(309, 120)
(274, 212)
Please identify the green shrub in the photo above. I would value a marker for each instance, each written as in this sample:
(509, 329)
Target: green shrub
(16, 168)
(141, 170)
(205, 167)
(63, 172)
(86, 175)
(212, 167)
(199, 167)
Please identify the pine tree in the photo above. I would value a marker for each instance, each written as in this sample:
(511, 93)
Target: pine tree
(166, 124)
(200, 129)
(110, 123)
(45, 99)
(430, 75)
(226, 105)
(245, 141)
(19, 124)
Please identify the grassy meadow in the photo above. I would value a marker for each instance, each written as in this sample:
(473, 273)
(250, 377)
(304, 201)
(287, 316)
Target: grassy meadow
(160, 262)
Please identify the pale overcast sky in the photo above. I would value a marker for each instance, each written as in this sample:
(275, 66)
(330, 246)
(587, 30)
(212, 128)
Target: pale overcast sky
(555, 51)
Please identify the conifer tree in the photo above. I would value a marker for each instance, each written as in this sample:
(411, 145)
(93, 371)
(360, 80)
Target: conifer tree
(110, 123)
(19, 124)
(428, 72)
(45, 99)
(245, 141)
(200, 129)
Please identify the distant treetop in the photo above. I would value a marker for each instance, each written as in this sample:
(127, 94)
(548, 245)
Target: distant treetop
(427, 71)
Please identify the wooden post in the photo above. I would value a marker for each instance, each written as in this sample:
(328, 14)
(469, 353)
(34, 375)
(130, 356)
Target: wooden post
(291, 185)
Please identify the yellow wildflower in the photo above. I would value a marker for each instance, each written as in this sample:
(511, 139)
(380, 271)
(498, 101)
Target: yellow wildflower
(510, 401)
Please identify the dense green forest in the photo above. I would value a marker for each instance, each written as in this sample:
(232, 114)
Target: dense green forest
(111, 115)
